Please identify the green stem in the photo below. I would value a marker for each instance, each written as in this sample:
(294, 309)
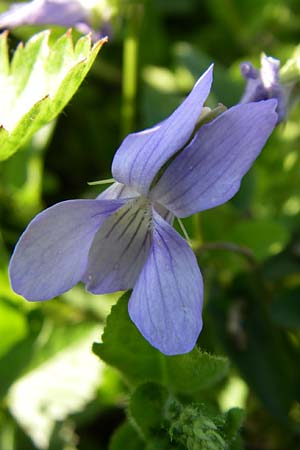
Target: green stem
(164, 372)
(31, 193)
(243, 251)
(230, 247)
(130, 62)
(7, 436)
(197, 229)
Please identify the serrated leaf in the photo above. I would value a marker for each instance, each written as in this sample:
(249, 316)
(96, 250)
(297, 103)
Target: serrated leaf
(26, 61)
(38, 84)
(125, 348)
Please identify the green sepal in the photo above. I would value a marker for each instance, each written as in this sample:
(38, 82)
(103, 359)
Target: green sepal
(159, 417)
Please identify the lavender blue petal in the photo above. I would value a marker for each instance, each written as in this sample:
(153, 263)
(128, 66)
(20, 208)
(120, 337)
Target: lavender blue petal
(264, 84)
(141, 155)
(117, 191)
(208, 172)
(166, 303)
(44, 12)
(119, 249)
(51, 255)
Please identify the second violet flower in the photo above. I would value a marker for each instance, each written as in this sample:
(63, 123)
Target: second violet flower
(81, 14)
(124, 239)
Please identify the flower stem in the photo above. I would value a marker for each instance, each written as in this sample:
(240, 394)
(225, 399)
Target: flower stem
(230, 247)
(130, 63)
(164, 372)
(197, 230)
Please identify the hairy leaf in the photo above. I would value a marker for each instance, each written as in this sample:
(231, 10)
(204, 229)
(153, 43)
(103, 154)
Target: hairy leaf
(125, 348)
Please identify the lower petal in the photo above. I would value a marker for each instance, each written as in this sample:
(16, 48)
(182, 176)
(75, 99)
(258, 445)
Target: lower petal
(166, 303)
(51, 255)
(119, 249)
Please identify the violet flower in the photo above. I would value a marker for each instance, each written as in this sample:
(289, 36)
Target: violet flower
(264, 84)
(66, 13)
(124, 239)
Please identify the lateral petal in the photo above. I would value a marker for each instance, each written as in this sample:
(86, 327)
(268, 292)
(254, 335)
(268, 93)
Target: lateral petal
(141, 155)
(51, 255)
(119, 249)
(208, 172)
(166, 303)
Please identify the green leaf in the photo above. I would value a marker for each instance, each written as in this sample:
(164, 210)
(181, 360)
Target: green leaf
(164, 423)
(126, 438)
(13, 326)
(147, 406)
(39, 82)
(64, 378)
(124, 348)
(234, 419)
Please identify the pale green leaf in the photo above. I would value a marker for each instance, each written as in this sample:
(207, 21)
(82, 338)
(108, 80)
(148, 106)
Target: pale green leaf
(62, 384)
(38, 83)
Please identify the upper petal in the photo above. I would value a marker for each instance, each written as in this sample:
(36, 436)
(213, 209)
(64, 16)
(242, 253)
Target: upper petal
(208, 172)
(119, 249)
(51, 255)
(142, 154)
(166, 303)
(264, 84)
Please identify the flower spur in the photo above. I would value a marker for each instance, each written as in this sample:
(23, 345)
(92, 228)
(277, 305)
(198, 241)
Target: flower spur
(124, 239)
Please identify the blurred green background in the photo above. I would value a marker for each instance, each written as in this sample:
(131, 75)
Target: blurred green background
(54, 393)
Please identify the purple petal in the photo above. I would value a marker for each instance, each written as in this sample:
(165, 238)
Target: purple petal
(208, 172)
(166, 303)
(141, 155)
(117, 191)
(51, 255)
(120, 191)
(119, 249)
(44, 12)
(264, 84)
